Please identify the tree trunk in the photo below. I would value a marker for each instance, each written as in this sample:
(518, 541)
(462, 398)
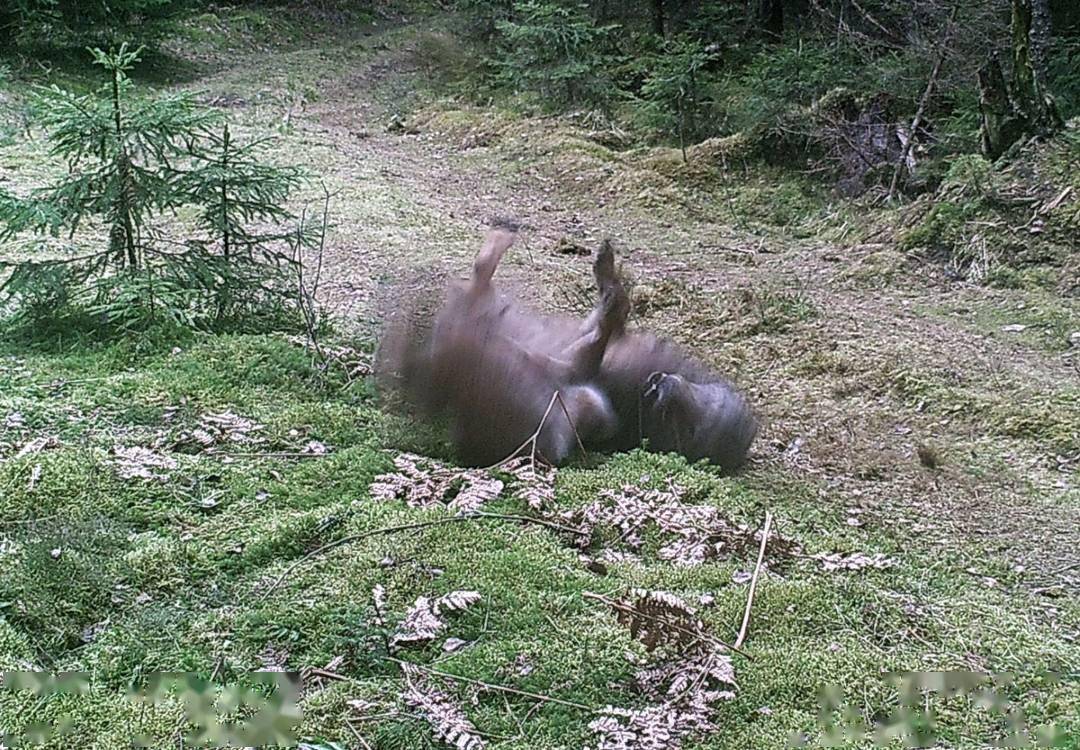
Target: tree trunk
(123, 226)
(1001, 126)
(1024, 83)
(771, 17)
(225, 193)
(659, 17)
(1041, 31)
(1022, 107)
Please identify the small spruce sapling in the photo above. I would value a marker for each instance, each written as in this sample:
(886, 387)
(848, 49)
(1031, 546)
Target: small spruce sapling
(671, 94)
(106, 238)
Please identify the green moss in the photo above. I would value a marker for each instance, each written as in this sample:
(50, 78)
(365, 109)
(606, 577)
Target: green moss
(942, 228)
(1008, 277)
(217, 571)
(149, 578)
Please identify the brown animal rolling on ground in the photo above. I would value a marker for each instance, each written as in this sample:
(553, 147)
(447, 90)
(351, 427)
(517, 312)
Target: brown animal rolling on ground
(493, 368)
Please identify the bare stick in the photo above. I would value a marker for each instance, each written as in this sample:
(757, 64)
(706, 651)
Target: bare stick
(530, 520)
(356, 734)
(327, 195)
(532, 439)
(753, 581)
(273, 454)
(326, 674)
(487, 685)
(303, 297)
(306, 296)
(917, 121)
(581, 445)
(540, 427)
(871, 19)
(1065, 568)
(407, 527)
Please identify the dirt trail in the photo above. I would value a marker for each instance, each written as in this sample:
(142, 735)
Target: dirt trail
(827, 387)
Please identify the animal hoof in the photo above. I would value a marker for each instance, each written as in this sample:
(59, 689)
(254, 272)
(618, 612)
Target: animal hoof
(508, 223)
(604, 263)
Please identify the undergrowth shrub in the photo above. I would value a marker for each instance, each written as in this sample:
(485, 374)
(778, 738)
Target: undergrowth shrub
(26, 20)
(1063, 75)
(554, 54)
(673, 96)
(1009, 224)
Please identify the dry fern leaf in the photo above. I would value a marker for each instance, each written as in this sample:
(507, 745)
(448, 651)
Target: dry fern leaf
(425, 483)
(708, 670)
(535, 484)
(37, 445)
(693, 534)
(456, 601)
(421, 624)
(833, 561)
(378, 599)
(447, 720)
(425, 621)
(476, 490)
(683, 694)
(228, 427)
(355, 363)
(660, 618)
(142, 463)
(217, 429)
(683, 691)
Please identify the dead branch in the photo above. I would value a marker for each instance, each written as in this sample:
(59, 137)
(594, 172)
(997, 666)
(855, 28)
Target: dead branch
(753, 581)
(272, 454)
(866, 14)
(531, 520)
(905, 153)
(357, 735)
(532, 439)
(306, 297)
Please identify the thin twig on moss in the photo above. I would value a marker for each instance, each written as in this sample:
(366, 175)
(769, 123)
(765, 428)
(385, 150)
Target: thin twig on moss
(532, 439)
(753, 581)
(489, 686)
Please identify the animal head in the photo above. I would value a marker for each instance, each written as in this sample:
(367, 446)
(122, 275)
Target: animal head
(699, 420)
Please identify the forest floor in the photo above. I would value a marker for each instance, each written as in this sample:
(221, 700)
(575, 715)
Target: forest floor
(904, 413)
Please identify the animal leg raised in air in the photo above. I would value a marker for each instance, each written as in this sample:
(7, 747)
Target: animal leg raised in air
(607, 319)
(496, 242)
